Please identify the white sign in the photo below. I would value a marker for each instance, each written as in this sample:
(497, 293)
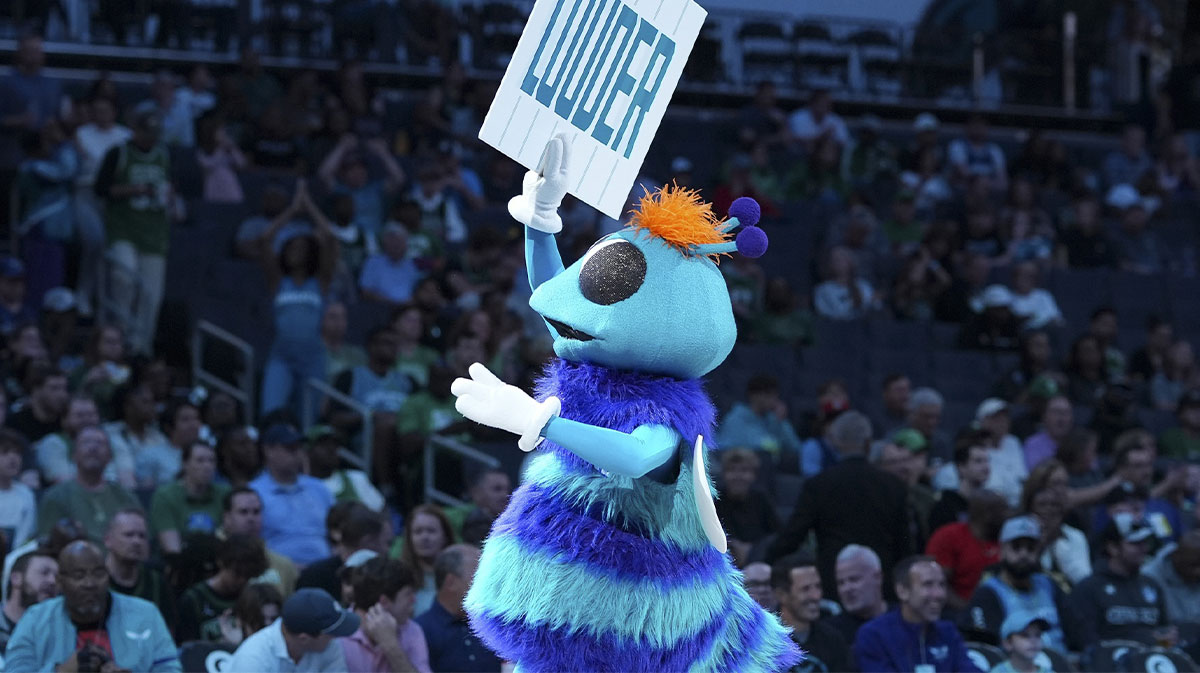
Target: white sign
(601, 71)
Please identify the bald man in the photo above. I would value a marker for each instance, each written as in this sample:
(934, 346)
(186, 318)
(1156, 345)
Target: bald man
(1176, 568)
(89, 625)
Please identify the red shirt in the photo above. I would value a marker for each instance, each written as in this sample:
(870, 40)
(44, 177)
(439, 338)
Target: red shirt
(963, 555)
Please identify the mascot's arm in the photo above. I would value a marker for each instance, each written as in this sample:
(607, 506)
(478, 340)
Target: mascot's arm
(631, 454)
(542, 191)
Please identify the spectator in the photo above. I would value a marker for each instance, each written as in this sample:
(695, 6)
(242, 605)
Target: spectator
(763, 117)
(15, 305)
(428, 533)
(241, 459)
(47, 216)
(1135, 608)
(797, 587)
(294, 505)
(782, 320)
(161, 463)
(844, 295)
(274, 204)
(756, 578)
(926, 180)
(1116, 413)
(178, 122)
(1182, 442)
(196, 95)
(390, 275)
(850, 502)
(1150, 359)
(18, 509)
(389, 640)
(1104, 326)
(1085, 244)
(872, 159)
(1178, 375)
(912, 635)
(304, 638)
(925, 416)
(32, 580)
(1176, 173)
(134, 182)
(93, 625)
(1176, 569)
(298, 278)
(860, 590)
(761, 422)
(1127, 165)
(324, 462)
(104, 368)
(240, 559)
(356, 529)
(925, 139)
(976, 157)
(54, 451)
(897, 390)
(127, 542)
(1007, 457)
(340, 356)
(817, 452)
(488, 495)
(817, 121)
(1022, 635)
(378, 386)
(345, 171)
(93, 140)
(1026, 227)
(903, 230)
(1133, 459)
(46, 405)
(1138, 249)
(1065, 554)
(257, 608)
(414, 358)
(994, 326)
(1034, 306)
(87, 497)
(1018, 583)
(1086, 375)
(965, 549)
(960, 480)
(906, 456)
(746, 512)
(135, 433)
(30, 97)
(220, 159)
(920, 284)
(452, 644)
(190, 504)
(242, 515)
(1057, 420)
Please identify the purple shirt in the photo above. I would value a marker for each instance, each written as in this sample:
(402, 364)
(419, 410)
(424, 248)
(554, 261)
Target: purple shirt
(1038, 448)
(363, 657)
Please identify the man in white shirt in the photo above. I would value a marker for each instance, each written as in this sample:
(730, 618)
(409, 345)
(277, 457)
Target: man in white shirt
(1031, 303)
(1008, 470)
(811, 123)
(976, 157)
(302, 640)
(18, 509)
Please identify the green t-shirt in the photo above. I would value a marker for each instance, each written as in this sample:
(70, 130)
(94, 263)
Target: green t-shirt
(416, 365)
(141, 220)
(343, 359)
(70, 500)
(424, 414)
(172, 508)
(200, 610)
(1177, 443)
(899, 234)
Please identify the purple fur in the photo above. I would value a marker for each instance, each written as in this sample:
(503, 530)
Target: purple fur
(622, 400)
(577, 537)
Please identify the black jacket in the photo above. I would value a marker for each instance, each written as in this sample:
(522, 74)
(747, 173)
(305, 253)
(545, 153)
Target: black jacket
(851, 502)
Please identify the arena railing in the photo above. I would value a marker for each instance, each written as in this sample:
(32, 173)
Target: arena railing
(438, 443)
(365, 448)
(243, 389)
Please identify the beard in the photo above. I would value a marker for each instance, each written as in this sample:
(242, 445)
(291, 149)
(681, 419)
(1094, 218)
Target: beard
(1021, 571)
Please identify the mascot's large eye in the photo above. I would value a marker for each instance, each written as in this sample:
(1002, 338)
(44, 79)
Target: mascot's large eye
(612, 271)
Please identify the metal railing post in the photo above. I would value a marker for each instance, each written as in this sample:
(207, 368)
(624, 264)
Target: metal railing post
(1068, 47)
(368, 425)
(436, 443)
(244, 391)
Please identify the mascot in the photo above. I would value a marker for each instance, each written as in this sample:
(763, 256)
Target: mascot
(610, 556)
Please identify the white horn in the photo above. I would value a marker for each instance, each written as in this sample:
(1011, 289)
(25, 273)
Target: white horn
(704, 502)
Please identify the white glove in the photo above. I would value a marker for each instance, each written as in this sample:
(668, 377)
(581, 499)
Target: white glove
(486, 399)
(542, 191)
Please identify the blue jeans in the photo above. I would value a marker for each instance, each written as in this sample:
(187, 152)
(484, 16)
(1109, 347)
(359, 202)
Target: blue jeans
(284, 377)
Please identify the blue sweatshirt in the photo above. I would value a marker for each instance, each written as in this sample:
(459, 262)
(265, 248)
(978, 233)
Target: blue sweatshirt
(888, 643)
(45, 637)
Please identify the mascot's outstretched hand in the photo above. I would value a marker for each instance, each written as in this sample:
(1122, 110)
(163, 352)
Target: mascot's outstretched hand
(543, 190)
(485, 399)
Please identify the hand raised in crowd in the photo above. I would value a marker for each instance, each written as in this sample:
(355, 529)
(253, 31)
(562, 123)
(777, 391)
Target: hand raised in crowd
(380, 626)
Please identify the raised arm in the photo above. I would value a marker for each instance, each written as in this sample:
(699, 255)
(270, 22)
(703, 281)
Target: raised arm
(537, 208)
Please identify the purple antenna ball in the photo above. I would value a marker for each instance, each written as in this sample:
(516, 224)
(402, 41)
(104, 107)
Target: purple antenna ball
(746, 210)
(752, 241)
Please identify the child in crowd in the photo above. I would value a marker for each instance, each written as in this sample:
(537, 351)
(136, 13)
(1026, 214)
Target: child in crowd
(1021, 635)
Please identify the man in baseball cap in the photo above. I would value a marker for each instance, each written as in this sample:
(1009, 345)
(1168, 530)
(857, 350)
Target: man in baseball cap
(302, 639)
(1021, 636)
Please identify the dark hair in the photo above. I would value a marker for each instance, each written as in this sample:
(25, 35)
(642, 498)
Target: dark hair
(1103, 310)
(22, 564)
(1037, 481)
(312, 261)
(902, 572)
(249, 605)
(781, 571)
(243, 554)
(1126, 443)
(93, 346)
(358, 525)
(190, 446)
(375, 332)
(762, 383)
(476, 478)
(171, 413)
(892, 378)
(227, 501)
(969, 439)
(377, 578)
(1073, 357)
(42, 372)
(1073, 445)
(11, 440)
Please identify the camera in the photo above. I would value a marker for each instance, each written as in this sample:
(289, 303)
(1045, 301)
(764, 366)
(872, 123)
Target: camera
(90, 659)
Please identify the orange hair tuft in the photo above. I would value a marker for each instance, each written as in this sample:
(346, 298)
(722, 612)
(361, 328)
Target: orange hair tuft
(679, 217)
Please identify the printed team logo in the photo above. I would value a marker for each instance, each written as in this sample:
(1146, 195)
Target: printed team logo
(144, 635)
(941, 652)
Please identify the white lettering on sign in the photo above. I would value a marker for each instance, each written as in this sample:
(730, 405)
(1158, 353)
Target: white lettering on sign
(602, 71)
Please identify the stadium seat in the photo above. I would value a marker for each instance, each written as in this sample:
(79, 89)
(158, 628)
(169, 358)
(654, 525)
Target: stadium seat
(984, 656)
(1111, 655)
(766, 52)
